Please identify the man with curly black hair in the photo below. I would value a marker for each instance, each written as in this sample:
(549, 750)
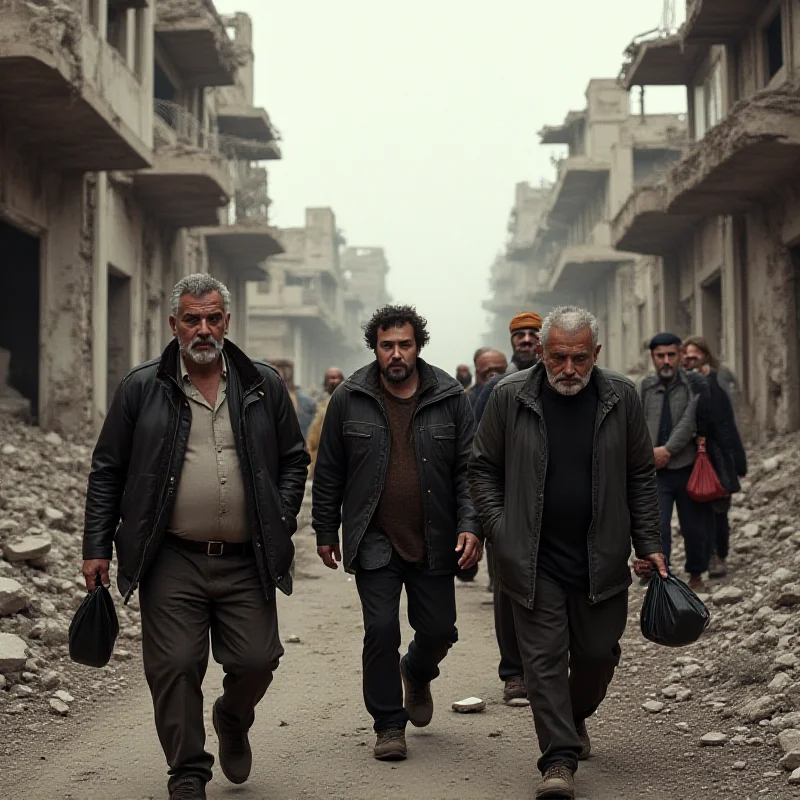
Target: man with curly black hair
(392, 472)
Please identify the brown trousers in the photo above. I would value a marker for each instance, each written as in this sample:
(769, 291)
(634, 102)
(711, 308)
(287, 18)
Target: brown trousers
(183, 598)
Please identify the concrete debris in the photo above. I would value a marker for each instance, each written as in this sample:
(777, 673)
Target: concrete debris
(714, 739)
(727, 596)
(653, 707)
(471, 705)
(794, 780)
(27, 548)
(790, 595)
(12, 597)
(41, 587)
(12, 653)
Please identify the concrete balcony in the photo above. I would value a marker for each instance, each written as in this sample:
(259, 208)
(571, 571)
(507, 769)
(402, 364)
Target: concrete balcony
(196, 42)
(302, 303)
(753, 151)
(578, 267)
(718, 21)
(248, 131)
(77, 105)
(189, 181)
(644, 226)
(243, 246)
(668, 61)
(579, 178)
(562, 134)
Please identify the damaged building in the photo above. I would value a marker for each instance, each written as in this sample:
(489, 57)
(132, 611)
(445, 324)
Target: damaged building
(317, 294)
(130, 155)
(561, 250)
(724, 223)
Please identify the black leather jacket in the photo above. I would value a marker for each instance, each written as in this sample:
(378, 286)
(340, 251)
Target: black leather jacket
(139, 455)
(507, 474)
(354, 453)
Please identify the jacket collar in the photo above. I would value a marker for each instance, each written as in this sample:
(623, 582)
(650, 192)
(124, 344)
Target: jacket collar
(368, 380)
(654, 381)
(531, 390)
(238, 363)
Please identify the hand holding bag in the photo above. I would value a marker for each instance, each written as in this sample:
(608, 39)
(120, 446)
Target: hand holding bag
(94, 629)
(704, 485)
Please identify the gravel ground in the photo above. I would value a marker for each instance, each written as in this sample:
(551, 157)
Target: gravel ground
(313, 739)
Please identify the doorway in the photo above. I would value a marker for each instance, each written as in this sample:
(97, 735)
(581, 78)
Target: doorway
(119, 330)
(19, 315)
(712, 314)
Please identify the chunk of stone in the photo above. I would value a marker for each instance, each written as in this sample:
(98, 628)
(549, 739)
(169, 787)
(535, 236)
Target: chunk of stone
(794, 779)
(671, 691)
(751, 530)
(791, 761)
(780, 682)
(50, 631)
(727, 596)
(789, 595)
(762, 708)
(739, 766)
(59, 708)
(713, 739)
(691, 671)
(470, 705)
(64, 697)
(12, 653)
(20, 690)
(55, 519)
(789, 740)
(50, 680)
(788, 660)
(684, 695)
(653, 706)
(27, 548)
(12, 597)
(54, 439)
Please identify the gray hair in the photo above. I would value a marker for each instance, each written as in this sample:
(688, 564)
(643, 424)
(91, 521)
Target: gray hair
(570, 319)
(198, 285)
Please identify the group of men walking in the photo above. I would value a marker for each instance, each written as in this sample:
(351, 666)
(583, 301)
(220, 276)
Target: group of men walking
(199, 472)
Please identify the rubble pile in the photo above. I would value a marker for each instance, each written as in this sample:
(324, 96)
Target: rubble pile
(745, 670)
(42, 489)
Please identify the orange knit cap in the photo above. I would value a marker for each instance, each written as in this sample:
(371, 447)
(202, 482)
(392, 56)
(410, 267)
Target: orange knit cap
(525, 320)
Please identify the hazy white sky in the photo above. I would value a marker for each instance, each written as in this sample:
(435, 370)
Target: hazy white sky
(414, 121)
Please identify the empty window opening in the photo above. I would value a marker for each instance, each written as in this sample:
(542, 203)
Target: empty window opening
(19, 321)
(163, 90)
(117, 30)
(773, 43)
(119, 330)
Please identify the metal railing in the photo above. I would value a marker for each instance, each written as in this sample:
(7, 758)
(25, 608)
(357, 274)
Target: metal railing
(190, 132)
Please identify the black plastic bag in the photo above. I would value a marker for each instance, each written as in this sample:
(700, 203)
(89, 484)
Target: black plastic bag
(672, 614)
(94, 629)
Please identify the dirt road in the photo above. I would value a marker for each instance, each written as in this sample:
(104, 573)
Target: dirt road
(313, 739)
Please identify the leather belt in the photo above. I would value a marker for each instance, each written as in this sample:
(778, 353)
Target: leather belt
(212, 548)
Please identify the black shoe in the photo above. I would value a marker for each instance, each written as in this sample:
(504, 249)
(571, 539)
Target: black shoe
(417, 701)
(391, 745)
(235, 755)
(190, 788)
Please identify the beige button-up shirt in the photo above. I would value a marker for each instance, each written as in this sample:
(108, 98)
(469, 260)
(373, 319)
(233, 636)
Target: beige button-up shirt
(210, 501)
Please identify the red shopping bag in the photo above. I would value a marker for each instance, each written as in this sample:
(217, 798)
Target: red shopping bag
(704, 485)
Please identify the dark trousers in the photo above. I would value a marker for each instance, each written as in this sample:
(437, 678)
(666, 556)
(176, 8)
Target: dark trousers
(570, 650)
(722, 534)
(432, 615)
(184, 597)
(504, 628)
(696, 519)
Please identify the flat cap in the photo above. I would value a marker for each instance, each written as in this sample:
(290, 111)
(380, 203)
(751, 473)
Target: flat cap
(524, 321)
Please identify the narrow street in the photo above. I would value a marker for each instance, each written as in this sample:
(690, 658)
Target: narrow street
(313, 739)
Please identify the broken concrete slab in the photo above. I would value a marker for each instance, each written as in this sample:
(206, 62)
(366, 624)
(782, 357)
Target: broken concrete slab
(27, 548)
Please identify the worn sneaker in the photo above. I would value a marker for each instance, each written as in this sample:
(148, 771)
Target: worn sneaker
(190, 788)
(391, 745)
(717, 568)
(558, 783)
(696, 583)
(586, 742)
(514, 692)
(417, 698)
(235, 756)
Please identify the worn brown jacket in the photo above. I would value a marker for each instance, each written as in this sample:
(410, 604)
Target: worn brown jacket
(507, 475)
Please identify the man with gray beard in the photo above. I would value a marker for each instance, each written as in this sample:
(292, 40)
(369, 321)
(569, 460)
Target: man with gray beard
(562, 477)
(197, 479)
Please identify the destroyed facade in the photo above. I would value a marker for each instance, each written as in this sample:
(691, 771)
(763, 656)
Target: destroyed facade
(696, 228)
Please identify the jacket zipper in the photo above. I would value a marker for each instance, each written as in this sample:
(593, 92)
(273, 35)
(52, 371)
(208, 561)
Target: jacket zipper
(425, 507)
(595, 476)
(164, 500)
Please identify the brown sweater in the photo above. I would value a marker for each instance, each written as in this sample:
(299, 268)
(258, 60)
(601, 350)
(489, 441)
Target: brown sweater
(399, 510)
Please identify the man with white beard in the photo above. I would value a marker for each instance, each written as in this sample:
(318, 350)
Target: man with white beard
(562, 476)
(197, 479)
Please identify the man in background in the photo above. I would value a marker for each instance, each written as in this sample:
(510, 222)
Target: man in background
(463, 375)
(304, 405)
(333, 377)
